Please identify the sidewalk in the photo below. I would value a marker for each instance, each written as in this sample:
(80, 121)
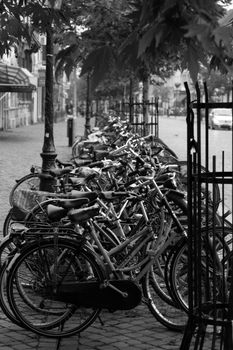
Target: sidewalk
(136, 329)
(21, 148)
(129, 330)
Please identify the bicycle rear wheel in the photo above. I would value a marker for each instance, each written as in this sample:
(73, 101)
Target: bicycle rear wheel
(29, 291)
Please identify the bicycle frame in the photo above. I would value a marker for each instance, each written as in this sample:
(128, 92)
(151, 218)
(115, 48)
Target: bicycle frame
(144, 237)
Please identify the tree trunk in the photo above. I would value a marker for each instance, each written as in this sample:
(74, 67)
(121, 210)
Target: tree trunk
(145, 100)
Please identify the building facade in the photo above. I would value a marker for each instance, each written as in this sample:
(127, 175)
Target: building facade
(22, 86)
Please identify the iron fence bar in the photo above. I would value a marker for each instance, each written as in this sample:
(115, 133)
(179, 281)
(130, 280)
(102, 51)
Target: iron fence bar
(189, 329)
(215, 262)
(210, 293)
(212, 105)
(131, 101)
(206, 97)
(228, 339)
(189, 184)
(198, 237)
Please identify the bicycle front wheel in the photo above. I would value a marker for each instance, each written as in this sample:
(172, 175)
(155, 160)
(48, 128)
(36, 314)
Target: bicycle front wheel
(37, 273)
(28, 182)
(212, 258)
(171, 316)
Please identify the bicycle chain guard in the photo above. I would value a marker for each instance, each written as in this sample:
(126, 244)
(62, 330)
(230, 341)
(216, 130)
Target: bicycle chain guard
(112, 295)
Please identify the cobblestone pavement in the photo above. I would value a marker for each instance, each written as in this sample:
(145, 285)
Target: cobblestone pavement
(131, 330)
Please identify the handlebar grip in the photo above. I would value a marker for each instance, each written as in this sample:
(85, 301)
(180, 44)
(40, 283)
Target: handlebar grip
(115, 156)
(117, 150)
(127, 184)
(140, 160)
(138, 172)
(60, 172)
(148, 137)
(99, 164)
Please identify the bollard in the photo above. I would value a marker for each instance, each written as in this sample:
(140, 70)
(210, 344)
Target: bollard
(70, 133)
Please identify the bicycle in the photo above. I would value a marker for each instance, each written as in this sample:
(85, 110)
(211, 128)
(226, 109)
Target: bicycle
(144, 237)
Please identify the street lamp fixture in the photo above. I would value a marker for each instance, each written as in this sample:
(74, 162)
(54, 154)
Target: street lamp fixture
(48, 154)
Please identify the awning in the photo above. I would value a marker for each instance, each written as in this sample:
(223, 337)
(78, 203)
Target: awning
(16, 79)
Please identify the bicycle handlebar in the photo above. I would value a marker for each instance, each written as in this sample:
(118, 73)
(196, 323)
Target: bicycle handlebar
(122, 148)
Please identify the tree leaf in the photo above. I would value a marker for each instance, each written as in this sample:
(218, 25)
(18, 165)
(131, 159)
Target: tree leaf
(98, 63)
(132, 37)
(224, 36)
(227, 20)
(195, 29)
(191, 62)
(146, 40)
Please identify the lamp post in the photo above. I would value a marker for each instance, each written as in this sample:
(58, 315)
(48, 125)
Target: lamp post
(48, 154)
(87, 122)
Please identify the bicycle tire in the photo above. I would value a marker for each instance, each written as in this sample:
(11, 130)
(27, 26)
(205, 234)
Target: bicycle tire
(158, 270)
(75, 150)
(169, 152)
(172, 317)
(22, 268)
(28, 182)
(36, 214)
(160, 282)
(178, 276)
(7, 223)
(7, 245)
(4, 304)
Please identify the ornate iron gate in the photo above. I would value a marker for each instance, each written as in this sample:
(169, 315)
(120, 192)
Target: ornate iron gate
(209, 244)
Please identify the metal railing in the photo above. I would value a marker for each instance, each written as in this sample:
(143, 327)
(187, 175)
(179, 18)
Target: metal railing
(143, 116)
(209, 253)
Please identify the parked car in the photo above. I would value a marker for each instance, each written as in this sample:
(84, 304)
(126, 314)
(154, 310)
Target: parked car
(221, 118)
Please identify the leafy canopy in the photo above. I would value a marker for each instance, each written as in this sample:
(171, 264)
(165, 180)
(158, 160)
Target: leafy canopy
(163, 35)
(131, 37)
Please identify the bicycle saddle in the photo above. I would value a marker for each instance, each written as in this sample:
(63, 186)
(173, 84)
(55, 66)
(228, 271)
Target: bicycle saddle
(80, 194)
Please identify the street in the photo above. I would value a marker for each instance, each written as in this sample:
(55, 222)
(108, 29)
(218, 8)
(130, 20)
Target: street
(173, 131)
